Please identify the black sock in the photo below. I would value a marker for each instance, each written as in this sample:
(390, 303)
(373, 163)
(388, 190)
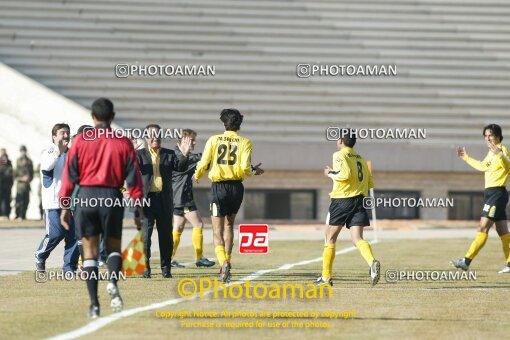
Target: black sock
(91, 268)
(508, 264)
(80, 249)
(114, 264)
(468, 261)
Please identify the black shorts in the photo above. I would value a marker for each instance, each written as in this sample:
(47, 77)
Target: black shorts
(95, 219)
(226, 198)
(496, 200)
(181, 211)
(347, 211)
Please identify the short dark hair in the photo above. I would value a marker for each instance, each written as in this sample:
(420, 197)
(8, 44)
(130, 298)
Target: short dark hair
(153, 125)
(150, 134)
(59, 126)
(102, 109)
(348, 136)
(496, 130)
(232, 119)
(83, 127)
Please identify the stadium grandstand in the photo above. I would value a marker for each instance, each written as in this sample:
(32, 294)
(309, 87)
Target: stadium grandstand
(453, 69)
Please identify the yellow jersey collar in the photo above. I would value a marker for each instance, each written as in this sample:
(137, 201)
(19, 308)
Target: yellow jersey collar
(348, 150)
(154, 151)
(230, 133)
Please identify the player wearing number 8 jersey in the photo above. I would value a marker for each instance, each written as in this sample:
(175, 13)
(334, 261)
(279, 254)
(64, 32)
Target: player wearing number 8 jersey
(228, 159)
(351, 183)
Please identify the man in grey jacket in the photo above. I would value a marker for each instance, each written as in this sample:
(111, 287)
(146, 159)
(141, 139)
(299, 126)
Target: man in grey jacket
(184, 205)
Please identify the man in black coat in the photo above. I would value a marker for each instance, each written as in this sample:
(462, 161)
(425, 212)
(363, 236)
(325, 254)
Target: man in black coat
(156, 165)
(6, 182)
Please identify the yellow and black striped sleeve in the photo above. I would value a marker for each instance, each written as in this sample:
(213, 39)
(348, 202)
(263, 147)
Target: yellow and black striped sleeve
(504, 158)
(484, 165)
(245, 161)
(205, 161)
(341, 171)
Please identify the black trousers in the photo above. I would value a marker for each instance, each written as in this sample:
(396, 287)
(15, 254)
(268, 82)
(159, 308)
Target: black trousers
(159, 213)
(5, 201)
(22, 200)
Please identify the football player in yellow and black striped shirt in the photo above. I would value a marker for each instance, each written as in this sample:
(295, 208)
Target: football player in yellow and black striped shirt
(496, 167)
(228, 159)
(351, 183)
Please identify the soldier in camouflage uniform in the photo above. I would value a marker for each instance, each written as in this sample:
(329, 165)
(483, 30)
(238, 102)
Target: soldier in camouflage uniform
(24, 174)
(6, 181)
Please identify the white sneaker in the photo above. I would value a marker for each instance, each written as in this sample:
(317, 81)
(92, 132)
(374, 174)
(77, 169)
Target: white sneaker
(505, 270)
(321, 282)
(225, 272)
(116, 301)
(375, 272)
(460, 263)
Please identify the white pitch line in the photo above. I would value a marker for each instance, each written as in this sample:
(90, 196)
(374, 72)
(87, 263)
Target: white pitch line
(400, 289)
(104, 321)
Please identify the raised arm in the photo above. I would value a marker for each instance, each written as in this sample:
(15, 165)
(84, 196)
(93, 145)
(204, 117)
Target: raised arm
(49, 158)
(501, 156)
(205, 162)
(476, 164)
(181, 161)
(71, 173)
(340, 172)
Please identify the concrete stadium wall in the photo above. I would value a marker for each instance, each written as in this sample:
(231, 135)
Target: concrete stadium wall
(429, 184)
(28, 111)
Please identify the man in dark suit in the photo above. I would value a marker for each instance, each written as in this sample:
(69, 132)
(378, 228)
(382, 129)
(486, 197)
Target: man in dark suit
(156, 166)
(6, 182)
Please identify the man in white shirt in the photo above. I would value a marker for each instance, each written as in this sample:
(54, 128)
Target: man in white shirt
(52, 164)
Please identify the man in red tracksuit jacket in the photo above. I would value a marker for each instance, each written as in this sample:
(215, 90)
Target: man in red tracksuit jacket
(99, 162)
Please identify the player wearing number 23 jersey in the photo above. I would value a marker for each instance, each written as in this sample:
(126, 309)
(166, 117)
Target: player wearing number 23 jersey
(227, 156)
(228, 159)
